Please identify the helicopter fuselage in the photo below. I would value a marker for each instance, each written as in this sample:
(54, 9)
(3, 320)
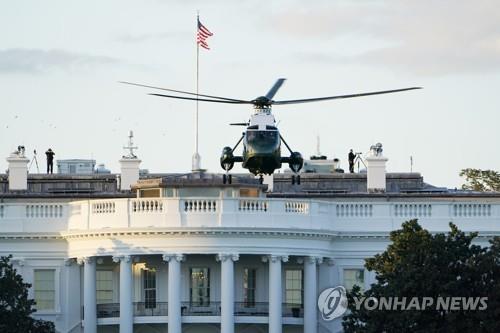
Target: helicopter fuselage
(261, 147)
(262, 144)
(262, 150)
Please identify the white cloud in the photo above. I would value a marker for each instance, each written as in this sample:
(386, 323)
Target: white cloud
(424, 37)
(19, 60)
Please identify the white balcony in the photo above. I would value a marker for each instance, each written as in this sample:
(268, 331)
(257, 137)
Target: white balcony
(263, 213)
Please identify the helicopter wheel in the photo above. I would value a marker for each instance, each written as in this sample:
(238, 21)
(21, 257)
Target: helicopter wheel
(298, 180)
(230, 179)
(224, 179)
(293, 179)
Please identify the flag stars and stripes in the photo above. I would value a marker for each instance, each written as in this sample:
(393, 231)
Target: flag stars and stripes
(203, 34)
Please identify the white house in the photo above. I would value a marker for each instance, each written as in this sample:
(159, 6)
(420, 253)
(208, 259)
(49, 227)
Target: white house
(185, 253)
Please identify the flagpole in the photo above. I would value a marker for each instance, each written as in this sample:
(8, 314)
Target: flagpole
(196, 165)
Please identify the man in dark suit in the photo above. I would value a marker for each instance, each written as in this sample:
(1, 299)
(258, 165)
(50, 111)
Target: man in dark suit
(351, 158)
(50, 160)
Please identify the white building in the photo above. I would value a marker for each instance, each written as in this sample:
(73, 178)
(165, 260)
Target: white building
(187, 254)
(76, 166)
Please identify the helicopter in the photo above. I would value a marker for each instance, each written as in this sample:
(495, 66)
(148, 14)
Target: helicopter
(261, 140)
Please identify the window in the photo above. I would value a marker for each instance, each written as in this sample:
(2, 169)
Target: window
(354, 277)
(294, 289)
(104, 287)
(149, 284)
(199, 293)
(249, 282)
(45, 289)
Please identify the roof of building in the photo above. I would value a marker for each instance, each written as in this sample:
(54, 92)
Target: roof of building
(313, 185)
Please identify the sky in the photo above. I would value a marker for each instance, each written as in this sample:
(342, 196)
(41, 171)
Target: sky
(60, 63)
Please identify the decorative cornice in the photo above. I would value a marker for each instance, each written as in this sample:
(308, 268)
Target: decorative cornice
(320, 234)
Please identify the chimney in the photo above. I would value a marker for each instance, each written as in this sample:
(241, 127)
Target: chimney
(129, 166)
(375, 165)
(18, 170)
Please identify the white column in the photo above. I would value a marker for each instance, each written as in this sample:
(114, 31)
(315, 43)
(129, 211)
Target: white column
(174, 292)
(126, 290)
(275, 292)
(227, 291)
(89, 295)
(310, 294)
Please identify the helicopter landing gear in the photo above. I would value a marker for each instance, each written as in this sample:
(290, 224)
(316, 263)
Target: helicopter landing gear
(227, 179)
(295, 179)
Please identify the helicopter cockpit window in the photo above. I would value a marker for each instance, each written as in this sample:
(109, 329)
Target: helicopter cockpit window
(263, 138)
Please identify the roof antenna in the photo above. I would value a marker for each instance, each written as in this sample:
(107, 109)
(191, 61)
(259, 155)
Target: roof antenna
(411, 163)
(130, 146)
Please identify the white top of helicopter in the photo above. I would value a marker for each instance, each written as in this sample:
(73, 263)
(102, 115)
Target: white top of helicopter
(262, 120)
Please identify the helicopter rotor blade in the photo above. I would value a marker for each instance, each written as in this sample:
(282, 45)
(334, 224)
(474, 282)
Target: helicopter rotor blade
(203, 99)
(318, 99)
(181, 91)
(277, 85)
(239, 124)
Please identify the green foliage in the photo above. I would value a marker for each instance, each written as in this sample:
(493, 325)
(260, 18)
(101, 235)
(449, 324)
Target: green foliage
(481, 180)
(421, 264)
(15, 307)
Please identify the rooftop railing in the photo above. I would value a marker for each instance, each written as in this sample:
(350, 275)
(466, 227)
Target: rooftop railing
(243, 309)
(273, 213)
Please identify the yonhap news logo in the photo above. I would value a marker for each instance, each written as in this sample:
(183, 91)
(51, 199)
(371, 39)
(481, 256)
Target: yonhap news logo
(332, 303)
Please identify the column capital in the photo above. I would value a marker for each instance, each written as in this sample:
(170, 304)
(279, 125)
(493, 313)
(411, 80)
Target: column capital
(227, 256)
(274, 258)
(173, 256)
(69, 261)
(19, 261)
(120, 258)
(310, 260)
(330, 261)
(85, 260)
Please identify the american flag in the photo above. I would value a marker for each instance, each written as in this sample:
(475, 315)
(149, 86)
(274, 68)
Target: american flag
(203, 34)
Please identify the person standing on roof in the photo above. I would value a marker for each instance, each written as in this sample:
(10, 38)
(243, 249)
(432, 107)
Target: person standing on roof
(351, 158)
(50, 160)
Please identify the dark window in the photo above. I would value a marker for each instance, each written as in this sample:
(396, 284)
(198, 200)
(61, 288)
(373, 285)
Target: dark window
(249, 283)
(149, 282)
(199, 293)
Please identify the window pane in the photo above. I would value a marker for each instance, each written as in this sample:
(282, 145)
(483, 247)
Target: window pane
(200, 286)
(354, 277)
(44, 287)
(104, 286)
(293, 286)
(149, 284)
(249, 286)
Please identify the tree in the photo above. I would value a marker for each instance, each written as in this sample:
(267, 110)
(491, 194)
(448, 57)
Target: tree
(15, 307)
(481, 180)
(418, 263)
